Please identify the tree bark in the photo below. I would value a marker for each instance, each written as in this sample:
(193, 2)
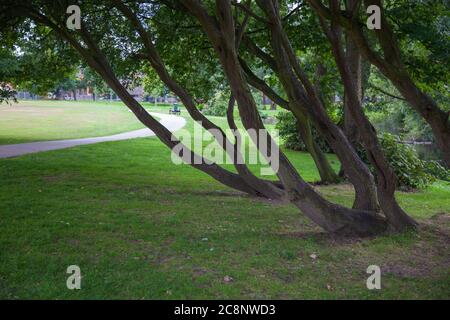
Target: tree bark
(327, 174)
(331, 217)
(261, 187)
(386, 180)
(307, 100)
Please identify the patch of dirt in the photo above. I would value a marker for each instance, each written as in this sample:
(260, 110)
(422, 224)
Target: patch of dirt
(428, 256)
(198, 272)
(425, 253)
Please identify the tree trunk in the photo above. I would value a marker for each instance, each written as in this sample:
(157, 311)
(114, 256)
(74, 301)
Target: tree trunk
(357, 171)
(331, 217)
(427, 107)
(304, 124)
(386, 180)
(259, 186)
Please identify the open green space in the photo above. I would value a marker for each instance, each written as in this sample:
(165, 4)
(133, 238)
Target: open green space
(141, 227)
(55, 120)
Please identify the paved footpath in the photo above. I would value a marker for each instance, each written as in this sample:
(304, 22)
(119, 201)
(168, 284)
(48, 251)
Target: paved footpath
(173, 123)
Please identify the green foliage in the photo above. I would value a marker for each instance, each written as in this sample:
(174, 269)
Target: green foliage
(152, 84)
(217, 106)
(7, 93)
(422, 28)
(435, 169)
(410, 170)
(263, 115)
(287, 128)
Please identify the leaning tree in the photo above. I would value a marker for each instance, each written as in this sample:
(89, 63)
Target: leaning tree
(116, 36)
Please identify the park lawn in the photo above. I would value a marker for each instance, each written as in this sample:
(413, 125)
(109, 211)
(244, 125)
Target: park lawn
(141, 227)
(55, 120)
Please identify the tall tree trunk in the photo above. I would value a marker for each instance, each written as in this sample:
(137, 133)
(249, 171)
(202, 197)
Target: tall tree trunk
(386, 180)
(357, 171)
(350, 125)
(260, 187)
(355, 68)
(327, 173)
(331, 217)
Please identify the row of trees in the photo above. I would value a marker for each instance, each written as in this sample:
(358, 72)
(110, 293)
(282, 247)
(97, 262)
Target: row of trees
(308, 50)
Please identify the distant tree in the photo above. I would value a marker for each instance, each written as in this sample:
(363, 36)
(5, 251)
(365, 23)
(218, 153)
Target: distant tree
(7, 94)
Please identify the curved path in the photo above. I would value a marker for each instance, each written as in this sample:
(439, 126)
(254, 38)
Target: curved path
(173, 123)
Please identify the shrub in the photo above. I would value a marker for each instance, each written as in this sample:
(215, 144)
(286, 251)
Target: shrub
(435, 169)
(217, 106)
(287, 128)
(410, 170)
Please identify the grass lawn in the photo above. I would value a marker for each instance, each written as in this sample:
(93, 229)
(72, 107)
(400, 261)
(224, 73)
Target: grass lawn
(55, 120)
(141, 227)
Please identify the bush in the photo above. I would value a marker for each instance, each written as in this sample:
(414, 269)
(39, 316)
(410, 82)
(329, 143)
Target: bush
(217, 106)
(410, 170)
(287, 128)
(435, 169)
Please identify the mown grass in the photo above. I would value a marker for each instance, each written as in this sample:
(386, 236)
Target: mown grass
(55, 120)
(140, 227)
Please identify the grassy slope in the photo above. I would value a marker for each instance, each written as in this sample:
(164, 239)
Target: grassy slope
(137, 226)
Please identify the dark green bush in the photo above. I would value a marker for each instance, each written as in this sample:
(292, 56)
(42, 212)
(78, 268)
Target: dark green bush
(435, 169)
(412, 172)
(287, 128)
